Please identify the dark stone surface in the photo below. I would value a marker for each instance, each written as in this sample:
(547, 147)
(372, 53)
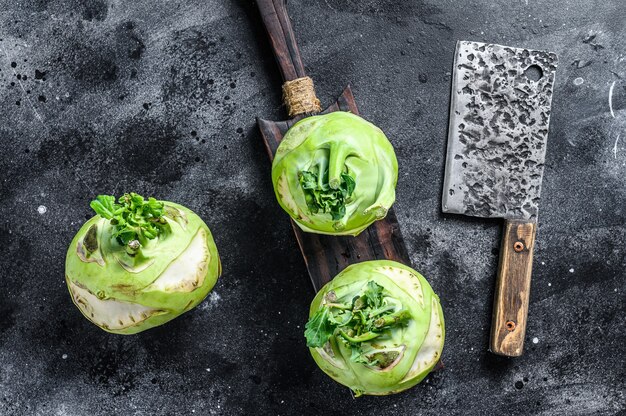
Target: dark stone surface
(161, 97)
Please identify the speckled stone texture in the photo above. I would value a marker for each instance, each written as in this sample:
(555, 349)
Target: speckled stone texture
(160, 97)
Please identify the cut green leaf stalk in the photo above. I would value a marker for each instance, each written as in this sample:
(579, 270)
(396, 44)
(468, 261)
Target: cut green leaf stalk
(335, 174)
(135, 219)
(361, 317)
(377, 328)
(140, 263)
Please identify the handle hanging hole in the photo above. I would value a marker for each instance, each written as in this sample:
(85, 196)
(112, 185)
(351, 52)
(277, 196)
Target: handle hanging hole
(518, 246)
(533, 73)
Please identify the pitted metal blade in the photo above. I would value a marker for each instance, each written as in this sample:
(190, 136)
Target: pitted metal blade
(499, 117)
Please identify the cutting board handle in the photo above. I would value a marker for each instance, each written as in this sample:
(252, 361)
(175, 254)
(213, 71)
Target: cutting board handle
(282, 38)
(510, 306)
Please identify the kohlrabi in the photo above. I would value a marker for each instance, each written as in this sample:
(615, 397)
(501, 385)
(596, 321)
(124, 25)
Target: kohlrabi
(335, 173)
(140, 263)
(377, 328)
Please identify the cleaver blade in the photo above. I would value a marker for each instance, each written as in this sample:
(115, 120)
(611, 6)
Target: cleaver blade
(499, 117)
(498, 130)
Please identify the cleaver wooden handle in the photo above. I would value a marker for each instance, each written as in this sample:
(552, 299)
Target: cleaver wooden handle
(282, 38)
(510, 306)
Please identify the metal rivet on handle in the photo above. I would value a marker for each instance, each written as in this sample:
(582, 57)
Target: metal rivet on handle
(510, 325)
(518, 246)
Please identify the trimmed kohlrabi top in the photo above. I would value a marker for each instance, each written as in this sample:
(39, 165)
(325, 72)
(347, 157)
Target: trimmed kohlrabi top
(377, 328)
(140, 263)
(335, 173)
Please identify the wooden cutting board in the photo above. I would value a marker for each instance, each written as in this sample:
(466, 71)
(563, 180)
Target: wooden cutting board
(325, 256)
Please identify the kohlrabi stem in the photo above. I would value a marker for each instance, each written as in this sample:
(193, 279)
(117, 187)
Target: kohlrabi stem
(322, 166)
(339, 306)
(339, 225)
(360, 338)
(337, 162)
(392, 319)
(360, 303)
(378, 311)
(141, 239)
(132, 248)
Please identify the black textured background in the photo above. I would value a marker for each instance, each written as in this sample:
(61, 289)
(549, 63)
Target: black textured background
(160, 97)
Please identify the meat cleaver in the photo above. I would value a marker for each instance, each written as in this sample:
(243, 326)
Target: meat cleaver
(499, 117)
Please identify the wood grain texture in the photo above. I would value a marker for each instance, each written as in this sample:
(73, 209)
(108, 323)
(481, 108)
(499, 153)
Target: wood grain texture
(510, 307)
(324, 255)
(282, 38)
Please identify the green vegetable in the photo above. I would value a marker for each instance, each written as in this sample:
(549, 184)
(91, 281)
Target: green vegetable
(377, 328)
(335, 173)
(140, 263)
(134, 218)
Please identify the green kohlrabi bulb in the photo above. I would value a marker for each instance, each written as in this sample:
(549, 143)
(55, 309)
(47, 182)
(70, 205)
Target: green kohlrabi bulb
(377, 328)
(140, 263)
(335, 174)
